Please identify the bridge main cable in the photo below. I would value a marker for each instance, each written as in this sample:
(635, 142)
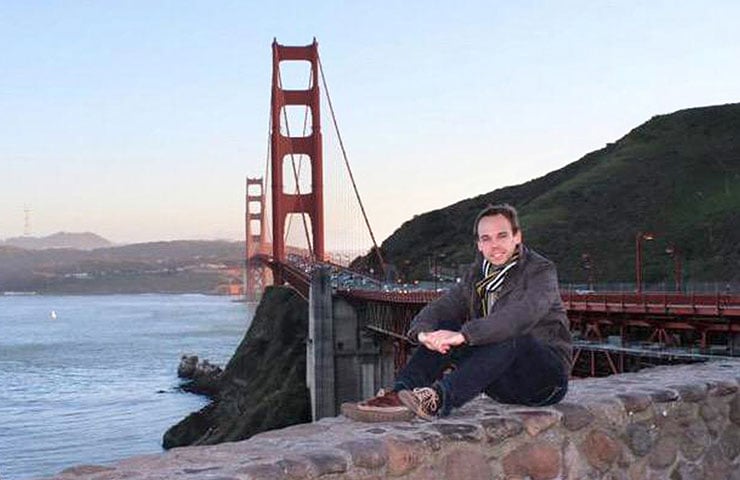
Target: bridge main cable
(349, 169)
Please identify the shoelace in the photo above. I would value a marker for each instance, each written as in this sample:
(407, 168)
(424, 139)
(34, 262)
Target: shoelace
(428, 399)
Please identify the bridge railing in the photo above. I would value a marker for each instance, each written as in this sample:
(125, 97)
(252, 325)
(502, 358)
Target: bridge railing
(717, 304)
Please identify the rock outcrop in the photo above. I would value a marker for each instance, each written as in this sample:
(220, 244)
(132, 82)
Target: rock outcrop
(263, 386)
(203, 377)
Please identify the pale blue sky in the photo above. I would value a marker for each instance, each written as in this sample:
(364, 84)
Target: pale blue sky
(139, 120)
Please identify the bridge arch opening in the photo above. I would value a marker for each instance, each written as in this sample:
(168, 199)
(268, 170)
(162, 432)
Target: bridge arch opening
(296, 121)
(297, 174)
(298, 228)
(295, 75)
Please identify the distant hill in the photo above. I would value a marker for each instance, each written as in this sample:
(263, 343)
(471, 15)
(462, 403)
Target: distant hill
(677, 176)
(158, 267)
(78, 241)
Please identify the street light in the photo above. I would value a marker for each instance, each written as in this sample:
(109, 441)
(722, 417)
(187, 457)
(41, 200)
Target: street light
(436, 267)
(639, 237)
(673, 252)
(586, 265)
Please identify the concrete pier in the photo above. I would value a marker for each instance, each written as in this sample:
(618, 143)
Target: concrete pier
(343, 362)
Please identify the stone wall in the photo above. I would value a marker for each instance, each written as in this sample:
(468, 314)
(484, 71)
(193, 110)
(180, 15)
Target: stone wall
(676, 423)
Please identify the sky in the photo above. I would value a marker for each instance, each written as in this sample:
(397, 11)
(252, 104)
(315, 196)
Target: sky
(139, 120)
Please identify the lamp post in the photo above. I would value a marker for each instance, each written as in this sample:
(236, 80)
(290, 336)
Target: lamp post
(639, 237)
(437, 261)
(673, 252)
(586, 265)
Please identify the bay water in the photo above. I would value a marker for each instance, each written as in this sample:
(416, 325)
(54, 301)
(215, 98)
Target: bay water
(93, 379)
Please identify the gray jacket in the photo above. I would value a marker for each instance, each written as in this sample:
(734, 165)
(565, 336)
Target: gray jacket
(529, 303)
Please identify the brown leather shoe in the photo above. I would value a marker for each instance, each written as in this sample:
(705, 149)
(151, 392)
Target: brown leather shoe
(383, 407)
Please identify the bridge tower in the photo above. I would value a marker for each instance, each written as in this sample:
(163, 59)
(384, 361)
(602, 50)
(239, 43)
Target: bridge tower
(283, 147)
(255, 272)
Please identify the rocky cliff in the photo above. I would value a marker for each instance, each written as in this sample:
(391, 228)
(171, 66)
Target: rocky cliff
(263, 386)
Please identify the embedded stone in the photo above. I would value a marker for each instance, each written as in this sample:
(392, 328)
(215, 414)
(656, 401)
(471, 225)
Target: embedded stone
(686, 471)
(715, 466)
(735, 410)
(709, 412)
(499, 429)
(295, 467)
(431, 440)
(693, 440)
(729, 443)
(575, 464)
(460, 432)
(263, 471)
(691, 392)
(367, 453)
(536, 421)
(424, 472)
(722, 388)
(637, 471)
(715, 413)
(466, 465)
(327, 462)
(403, 456)
(200, 470)
(609, 410)
(540, 461)
(80, 470)
(635, 402)
(663, 395)
(640, 438)
(663, 453)
(575, 416)
(600, 449)
(618, 475)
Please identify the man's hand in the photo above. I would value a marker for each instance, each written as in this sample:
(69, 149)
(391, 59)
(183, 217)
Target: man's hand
(441, 340)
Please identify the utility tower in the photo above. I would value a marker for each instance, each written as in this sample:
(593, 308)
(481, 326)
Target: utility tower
(26, 220)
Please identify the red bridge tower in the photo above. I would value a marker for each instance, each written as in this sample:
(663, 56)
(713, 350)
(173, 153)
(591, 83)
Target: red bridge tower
(255, 271)
(283, 147)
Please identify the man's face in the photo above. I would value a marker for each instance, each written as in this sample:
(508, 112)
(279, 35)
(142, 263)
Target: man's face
(496, 241)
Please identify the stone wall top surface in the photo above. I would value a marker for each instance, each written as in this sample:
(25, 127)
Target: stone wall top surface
(340, 448)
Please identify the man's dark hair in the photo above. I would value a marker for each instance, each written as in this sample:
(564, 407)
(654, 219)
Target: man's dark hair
(501, 209)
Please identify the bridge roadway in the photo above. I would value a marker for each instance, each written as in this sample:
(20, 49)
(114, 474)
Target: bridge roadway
(589, 312)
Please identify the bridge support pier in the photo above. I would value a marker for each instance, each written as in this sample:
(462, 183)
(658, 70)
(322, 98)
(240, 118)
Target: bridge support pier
(320, 347)
(343, 362)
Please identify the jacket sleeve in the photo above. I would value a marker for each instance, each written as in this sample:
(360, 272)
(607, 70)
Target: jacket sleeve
(520, 310)
(451, 307)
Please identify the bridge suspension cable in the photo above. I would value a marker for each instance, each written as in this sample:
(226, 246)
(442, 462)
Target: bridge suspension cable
(349, 169)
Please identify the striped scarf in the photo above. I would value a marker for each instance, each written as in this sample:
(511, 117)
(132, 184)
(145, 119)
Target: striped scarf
(493, 279)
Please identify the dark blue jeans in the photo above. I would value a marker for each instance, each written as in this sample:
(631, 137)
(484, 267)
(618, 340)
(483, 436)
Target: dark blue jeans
(521, 371)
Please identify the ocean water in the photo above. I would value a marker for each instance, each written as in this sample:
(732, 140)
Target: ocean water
(99, 381)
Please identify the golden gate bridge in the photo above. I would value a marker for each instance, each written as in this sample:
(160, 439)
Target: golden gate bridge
(613, 330)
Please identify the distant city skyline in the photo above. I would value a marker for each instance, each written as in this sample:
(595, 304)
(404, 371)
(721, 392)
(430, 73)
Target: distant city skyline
(139, 121)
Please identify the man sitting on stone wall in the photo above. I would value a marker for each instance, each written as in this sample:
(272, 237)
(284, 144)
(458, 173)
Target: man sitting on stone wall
(503, 329)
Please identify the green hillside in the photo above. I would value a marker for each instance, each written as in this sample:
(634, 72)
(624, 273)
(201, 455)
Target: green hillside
(677, 176)
(164, 267)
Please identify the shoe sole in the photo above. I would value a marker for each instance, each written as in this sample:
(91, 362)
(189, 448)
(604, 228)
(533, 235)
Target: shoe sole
(408, 398)
(354, 412)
